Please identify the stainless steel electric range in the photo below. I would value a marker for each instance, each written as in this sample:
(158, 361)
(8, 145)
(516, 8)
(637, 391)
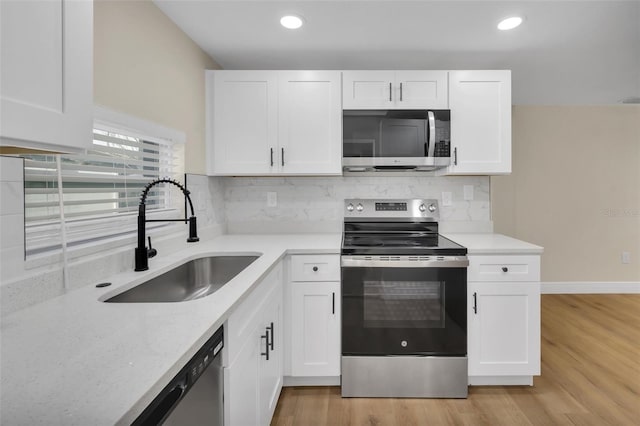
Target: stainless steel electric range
(404, 302)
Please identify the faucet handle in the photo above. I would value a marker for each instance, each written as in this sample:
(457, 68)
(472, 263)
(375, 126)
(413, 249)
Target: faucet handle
(151, 252)
(193, 231)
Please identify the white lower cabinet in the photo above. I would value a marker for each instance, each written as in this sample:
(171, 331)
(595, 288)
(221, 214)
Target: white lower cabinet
(503, 325)
(313, 312)
(254, 346)
(241, 399)
(315, 330)
(271, 356)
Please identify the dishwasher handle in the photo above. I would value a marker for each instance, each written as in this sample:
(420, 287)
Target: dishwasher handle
(165, 406)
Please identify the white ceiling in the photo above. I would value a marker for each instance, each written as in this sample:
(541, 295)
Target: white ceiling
(565, 52)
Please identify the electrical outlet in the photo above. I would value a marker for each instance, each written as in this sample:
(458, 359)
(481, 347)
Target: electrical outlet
(468, 192)
(447, 199)
(626, 257)
(272, 199)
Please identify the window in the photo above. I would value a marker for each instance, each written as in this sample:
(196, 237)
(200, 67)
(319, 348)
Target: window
(101, 188)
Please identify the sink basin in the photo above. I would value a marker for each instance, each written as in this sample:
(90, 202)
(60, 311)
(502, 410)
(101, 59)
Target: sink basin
(192, 280)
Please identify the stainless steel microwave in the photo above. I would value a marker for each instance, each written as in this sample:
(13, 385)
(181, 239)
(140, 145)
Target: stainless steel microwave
(396, 140)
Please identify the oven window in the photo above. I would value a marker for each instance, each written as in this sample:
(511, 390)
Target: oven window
(404, 304)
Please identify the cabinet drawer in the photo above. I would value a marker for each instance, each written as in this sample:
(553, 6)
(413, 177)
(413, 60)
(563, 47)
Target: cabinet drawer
(316, 267)
(504, 268)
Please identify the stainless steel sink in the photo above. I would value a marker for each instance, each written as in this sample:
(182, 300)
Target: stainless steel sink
(192, 280)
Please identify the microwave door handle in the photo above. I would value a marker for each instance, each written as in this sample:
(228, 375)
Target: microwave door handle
(432, 133)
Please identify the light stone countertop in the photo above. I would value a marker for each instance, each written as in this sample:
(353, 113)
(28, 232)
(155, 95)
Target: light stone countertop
(493, 244)
(74, 360)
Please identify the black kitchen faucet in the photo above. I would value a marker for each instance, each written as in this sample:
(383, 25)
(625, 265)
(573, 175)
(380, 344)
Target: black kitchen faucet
(142, 253)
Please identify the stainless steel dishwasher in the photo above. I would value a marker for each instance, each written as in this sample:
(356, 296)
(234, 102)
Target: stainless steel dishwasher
(194, 395)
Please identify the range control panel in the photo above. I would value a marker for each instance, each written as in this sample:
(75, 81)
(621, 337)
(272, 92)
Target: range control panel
(403, 209)
(385, 207)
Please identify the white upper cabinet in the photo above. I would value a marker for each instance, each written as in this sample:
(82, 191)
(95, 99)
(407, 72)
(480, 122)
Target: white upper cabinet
(395, 90)
(274, 122)
(46, 69)
(480, 103)
(242, 122)
(310, 122)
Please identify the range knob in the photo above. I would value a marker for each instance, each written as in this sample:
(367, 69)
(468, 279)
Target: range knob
(350, 207)
(432, 208)
(360, 207)
(422, 207)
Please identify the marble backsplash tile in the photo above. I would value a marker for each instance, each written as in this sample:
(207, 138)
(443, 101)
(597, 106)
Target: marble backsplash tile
(315, 204)
(207, 195)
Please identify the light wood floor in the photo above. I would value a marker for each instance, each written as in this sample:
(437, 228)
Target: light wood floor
(590, 376)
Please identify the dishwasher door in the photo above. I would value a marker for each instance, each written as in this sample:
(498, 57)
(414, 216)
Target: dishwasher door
(202, 404)
(194, 397)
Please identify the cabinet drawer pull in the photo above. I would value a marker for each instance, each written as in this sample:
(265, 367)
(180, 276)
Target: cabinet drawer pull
(475, 303)
(505, 269)
(271, 157)
(400, 92)
(390, 92)
(333, 303)
(282, 156)
(315, 269)
(455, 156)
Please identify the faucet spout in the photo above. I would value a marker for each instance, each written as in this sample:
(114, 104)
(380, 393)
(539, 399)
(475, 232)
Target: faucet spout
(142, 253)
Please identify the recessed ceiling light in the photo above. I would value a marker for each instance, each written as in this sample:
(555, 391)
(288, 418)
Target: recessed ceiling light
(291, 21)
(510, 23)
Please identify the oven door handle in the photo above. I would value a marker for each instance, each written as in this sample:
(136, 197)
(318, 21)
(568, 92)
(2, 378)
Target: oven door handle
(404, 262)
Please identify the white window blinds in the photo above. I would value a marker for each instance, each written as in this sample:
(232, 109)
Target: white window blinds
(100, 189)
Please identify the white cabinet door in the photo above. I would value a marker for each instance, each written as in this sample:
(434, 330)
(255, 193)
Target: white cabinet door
(310, 117)
(241, 383)
(480, 103)
(315, 329)
(394, 90)
(504, 329)
(254, 329)
(421, 89)
(242, 124)
(368, 89)
(271, 368)
(46, 69)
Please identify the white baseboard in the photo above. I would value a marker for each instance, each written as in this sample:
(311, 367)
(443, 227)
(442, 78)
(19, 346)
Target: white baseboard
(590, 287)
(500, 380)
(311, 381)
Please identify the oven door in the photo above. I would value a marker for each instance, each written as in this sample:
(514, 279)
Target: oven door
(404, 306)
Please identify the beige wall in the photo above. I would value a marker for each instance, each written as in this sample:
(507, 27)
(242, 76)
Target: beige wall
(575, 189)
(144, 65)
